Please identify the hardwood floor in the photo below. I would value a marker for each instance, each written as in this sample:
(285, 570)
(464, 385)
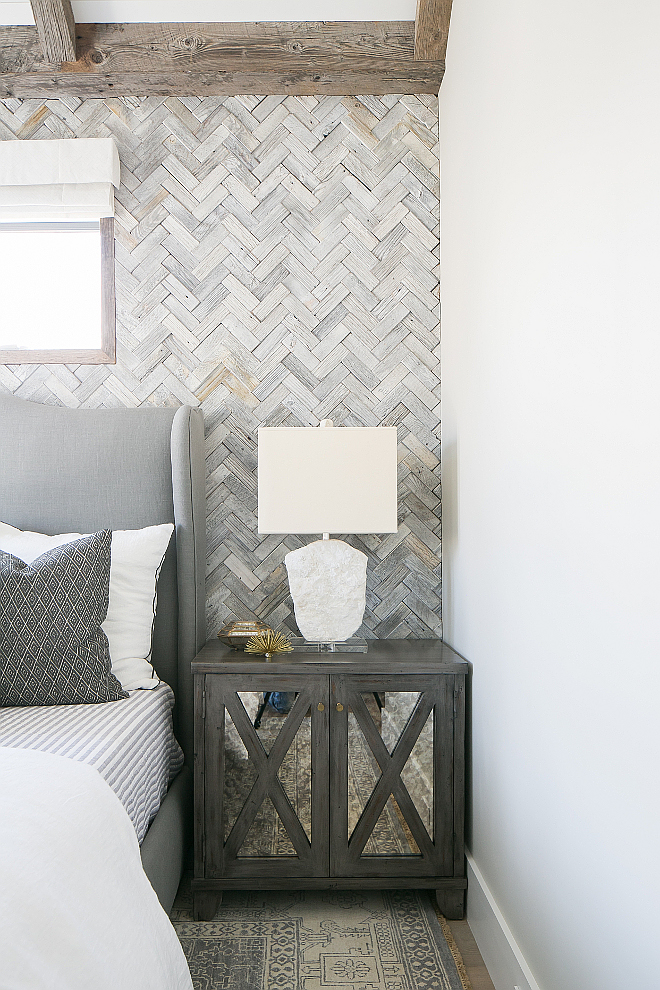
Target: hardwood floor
(474, 964)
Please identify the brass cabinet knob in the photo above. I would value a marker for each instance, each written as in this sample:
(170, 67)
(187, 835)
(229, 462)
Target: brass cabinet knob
(321, 706)
(340, 708)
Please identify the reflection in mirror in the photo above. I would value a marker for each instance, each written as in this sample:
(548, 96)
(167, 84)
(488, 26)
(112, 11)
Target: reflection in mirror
(397, 708)
(391, 835)
(417, 775)
(390, 713)
(267, 835)
(295, 775)
(363, 770)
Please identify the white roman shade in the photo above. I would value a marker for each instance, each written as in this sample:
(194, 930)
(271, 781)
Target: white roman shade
(58, 180)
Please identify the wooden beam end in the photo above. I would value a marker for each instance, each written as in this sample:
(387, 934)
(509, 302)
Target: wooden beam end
(432, 29)
(56, 29)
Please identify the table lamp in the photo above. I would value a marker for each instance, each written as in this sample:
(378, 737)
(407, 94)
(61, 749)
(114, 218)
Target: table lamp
(327, 480)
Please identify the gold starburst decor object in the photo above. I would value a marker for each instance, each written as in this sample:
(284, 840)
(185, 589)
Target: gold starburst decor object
(269, 642)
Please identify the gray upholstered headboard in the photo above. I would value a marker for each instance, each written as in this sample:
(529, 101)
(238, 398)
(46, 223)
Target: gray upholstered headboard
(81, 470)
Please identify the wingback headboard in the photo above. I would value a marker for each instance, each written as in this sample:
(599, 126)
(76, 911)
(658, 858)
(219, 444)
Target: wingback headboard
(81, 470)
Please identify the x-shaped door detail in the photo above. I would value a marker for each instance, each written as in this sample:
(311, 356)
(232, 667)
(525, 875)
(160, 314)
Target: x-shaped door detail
(240, 817)
(265, 764)
(390, 781)
(415, 708)
(267, 783)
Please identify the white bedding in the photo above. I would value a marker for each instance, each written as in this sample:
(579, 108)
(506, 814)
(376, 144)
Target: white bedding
(129, 742)
(77, 911)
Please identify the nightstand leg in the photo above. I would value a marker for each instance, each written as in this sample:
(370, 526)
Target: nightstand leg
(451, 903)
(205, 904)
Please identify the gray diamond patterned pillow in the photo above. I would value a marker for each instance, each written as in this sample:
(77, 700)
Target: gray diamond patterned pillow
(52, 648)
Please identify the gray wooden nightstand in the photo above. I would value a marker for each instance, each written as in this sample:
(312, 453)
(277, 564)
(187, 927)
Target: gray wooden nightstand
(339, 792)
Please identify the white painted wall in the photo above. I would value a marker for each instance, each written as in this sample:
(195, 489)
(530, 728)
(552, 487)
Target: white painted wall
(143, 11)
(550, 118)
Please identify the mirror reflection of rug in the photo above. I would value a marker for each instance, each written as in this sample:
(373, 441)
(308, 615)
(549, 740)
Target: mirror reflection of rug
(318, 940)
(267, 835)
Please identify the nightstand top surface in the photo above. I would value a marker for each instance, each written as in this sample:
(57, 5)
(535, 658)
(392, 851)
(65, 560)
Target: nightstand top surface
(387, 656)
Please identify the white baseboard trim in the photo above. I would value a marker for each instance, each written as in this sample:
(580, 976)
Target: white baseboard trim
(499, 949)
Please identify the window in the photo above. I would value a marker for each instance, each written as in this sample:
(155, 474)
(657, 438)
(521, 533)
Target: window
(58, 293)
(57, 251)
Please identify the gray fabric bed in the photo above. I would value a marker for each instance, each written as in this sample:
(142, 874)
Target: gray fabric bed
(81, 470)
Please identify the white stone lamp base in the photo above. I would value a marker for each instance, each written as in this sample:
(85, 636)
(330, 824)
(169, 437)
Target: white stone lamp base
(328, 581)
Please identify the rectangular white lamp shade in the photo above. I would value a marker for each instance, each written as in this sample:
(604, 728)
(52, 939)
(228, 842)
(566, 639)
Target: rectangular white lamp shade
(327, 480)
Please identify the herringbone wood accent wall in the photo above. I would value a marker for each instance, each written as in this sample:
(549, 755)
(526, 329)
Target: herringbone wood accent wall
(277, 264)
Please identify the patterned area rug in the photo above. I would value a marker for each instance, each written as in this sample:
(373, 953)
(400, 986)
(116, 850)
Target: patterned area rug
(319, 940)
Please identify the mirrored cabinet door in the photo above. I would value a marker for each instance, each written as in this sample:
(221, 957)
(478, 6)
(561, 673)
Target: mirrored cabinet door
(266, 772)
(391, 755)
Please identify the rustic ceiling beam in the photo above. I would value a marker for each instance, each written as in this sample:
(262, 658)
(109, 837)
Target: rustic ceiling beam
(297, 58)
(56, 29)
(432, 29)
(336, 77)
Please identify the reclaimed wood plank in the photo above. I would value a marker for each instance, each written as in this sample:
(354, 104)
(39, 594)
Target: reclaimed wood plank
(432, 28)
(68, 356)
(108, 292)
(330, 75)
(297, 58)
(132, 47)
(135, 47)
(56, 29)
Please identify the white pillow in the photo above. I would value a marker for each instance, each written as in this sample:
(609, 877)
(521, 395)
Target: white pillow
(135, 562)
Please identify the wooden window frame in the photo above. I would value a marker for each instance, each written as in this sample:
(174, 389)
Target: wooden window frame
(107, 353)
